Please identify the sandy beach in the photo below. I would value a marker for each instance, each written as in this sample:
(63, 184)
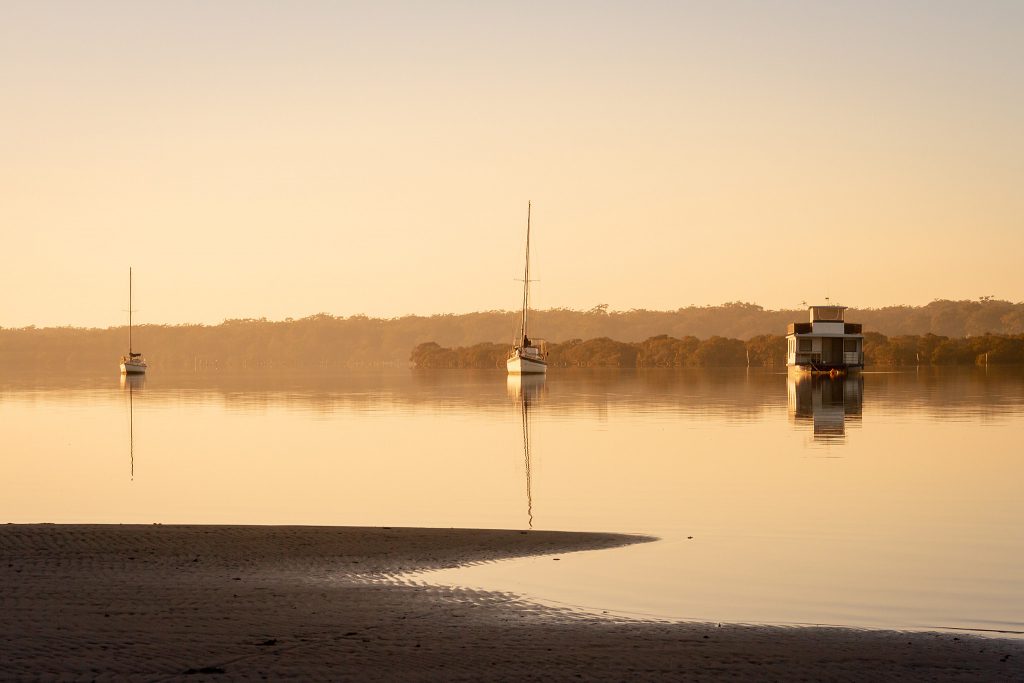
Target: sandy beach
(335, 603)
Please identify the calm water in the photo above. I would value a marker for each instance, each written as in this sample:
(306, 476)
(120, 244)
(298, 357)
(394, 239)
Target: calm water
(892, 499)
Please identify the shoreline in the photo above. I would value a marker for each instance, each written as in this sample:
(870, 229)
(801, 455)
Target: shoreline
(154, 602)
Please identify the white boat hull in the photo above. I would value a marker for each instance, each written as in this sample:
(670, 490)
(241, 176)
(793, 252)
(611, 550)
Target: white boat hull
(133, 368)
(521, 365)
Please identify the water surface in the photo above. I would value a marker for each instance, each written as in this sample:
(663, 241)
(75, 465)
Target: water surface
(889, 499)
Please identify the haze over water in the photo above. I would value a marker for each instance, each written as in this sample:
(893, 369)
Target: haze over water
(886, 500)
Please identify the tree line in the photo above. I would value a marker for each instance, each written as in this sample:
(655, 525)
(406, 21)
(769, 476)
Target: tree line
(767, 351)
(324, 340)
(933, 349)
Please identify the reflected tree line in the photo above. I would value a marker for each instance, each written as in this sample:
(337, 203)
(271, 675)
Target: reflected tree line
(730, 334)
(939, 390)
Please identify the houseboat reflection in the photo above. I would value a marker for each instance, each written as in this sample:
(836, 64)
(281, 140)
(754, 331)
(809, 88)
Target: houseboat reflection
(827, 403)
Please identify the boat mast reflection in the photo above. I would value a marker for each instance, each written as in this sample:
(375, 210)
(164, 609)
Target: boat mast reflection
(524, 389)
(828, 403)
(132, 382)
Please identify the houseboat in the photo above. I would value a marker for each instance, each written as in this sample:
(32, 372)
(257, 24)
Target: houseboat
(826, 344)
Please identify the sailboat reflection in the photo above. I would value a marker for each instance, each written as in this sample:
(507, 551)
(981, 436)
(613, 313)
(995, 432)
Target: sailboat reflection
(524, 389)
(828, 403)
(132, 382)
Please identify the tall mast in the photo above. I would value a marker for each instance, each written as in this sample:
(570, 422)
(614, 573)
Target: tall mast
(526, 273)
(129, 311)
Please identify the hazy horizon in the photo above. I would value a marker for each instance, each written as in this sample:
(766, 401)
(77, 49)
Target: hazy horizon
(279, 161)
(798, 309)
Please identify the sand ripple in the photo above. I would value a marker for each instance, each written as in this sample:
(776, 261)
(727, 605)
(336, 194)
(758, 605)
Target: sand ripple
(329, 603)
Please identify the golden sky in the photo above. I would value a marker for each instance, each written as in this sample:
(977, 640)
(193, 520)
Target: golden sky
(257, 159)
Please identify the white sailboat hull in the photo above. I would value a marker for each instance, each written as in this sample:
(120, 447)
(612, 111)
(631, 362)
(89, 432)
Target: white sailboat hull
(522, 365)
(133, 368)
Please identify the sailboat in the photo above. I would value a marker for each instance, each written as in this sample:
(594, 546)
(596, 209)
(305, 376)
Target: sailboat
(527, 356)
(133, 363)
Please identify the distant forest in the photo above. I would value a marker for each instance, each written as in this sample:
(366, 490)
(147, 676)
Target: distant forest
(767, 351)
(709, 334)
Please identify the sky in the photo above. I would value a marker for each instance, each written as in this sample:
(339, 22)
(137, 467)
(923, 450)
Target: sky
(266, 159)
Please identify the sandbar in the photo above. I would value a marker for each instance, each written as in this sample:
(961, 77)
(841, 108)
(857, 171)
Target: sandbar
(163, 602)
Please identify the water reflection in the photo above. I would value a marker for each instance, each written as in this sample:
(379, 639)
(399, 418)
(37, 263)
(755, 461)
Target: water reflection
(132, 383)
(524, 389)
(826, 402)
(707, 454)
(946, 393)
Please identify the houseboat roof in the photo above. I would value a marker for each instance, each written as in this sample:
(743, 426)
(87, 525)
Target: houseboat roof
(825, 321)
(828, 313)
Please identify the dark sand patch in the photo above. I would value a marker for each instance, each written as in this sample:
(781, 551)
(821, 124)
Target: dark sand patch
(328, 603)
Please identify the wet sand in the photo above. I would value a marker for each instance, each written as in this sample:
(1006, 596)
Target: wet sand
(331, 603)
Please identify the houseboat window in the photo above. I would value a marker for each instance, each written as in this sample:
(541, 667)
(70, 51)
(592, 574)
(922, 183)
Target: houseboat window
(850, 345)
(805, 346)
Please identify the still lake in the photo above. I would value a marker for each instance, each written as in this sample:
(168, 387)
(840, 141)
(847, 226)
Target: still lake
(889, 500)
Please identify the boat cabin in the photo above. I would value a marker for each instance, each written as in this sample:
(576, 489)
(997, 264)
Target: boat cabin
(826, 343)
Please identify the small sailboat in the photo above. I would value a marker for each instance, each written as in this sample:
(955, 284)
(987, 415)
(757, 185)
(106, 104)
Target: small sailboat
(528, 357)
(133, 363)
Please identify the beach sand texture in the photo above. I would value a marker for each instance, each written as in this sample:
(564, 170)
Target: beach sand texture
(94, 602)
